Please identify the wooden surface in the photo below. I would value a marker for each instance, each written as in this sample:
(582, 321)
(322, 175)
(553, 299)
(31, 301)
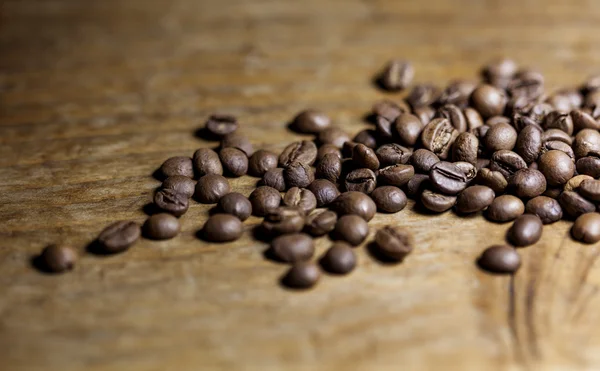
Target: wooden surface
(94, 95)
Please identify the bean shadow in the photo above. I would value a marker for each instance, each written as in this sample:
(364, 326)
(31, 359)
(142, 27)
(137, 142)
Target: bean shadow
(204, 134)
(150, 209)
(37, 264)
(95, 248)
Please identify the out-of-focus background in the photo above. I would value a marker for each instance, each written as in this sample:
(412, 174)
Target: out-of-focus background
(95, 95)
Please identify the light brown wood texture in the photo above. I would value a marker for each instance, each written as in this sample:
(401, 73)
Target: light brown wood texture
(94, 95)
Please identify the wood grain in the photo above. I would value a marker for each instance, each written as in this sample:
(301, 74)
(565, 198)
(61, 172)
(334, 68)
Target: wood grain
(94, 95)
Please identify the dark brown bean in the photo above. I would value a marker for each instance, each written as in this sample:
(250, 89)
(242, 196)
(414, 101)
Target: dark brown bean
(474, 199)
(220, 125)
(465, 148)
(339, 259)
(589, 165)
(587, 228)
(302, 275)
(416, 185)
(389, 199)
(526, 230)
(587, 143)
(455, 115)
(397, 75)
(329, 167)
(310, 122)
(582, 120)
(284, 220)
(505, 208)
(389, 110)
(448, 178)
(161, 227)
(457, 92)
(304, 152)
(57, 258)
(500, 136)
(422, 160)
(507, 163)
(493, 179)
(408, 128)
(488, 100)
(261, 161)
(179, 165)
(222, 228)
(320, 223)
(574, 183)
(325, 192)
(500, 259)
(557, 167)
(326, 149)
(264, 199)
(238, 141)
(206, 161)
(301, 198)
(365, 157)
(437, 202)
(352, 229)
(234, 161)
(394, 242)
(361, 180)
(527, 183)
(590, 189)
(119, 236)
(171, 201)
(529, 143)
(235, 204)
(210, 188)
(293, 248)
(366, 137)
(548, 209)
(180, 184)
(356, 203)
(423, 95)
(274, 178)
(559, 120)
(334, 136)
(393, 154)
(438, 137)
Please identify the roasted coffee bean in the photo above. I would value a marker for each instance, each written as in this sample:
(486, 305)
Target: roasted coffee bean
(526, 230)
(274, 178)
(438, 136)
(559, 120)
(325, 192)
(397, 75)
(425, 114)
(366, 137)
(235, 204)
(222, 228)
(448, 178)
(528, 84)
(589, 165)
(339, 259)
(590, 189)
(395, 175)
(422, 160)
(557, 167)
(389, 110)
(474, 199)
(293, 248)
(587, 143)
(575, 182)
(57, 258)
(311, 122)
(500, 136)
(505, 208)
(264, 200)
(500, 259)
(298, 175)
(553, 192)
(302, 275)
(488, 100)
(365, 157)
(527, 183)
(119, 236)
(582, 120)
(389, 199)
(284, 220)
(206, 161)
(494, 120)
(482, 163)
(416, 185)
(234, 161)
(304, 152)
(587, 228)
(326, 149)
(565, 101)
(330, 168)
(394, 242)
(473, 118)
(493, 179)
(240, 142)
(354, 203)
(548, 209)
(352, 229)
(179, 165)
(507, 163)
(361, 180)
(180, 184)
(457, 93)
(407, 128)
(392, 154)
(171, 201)
(529, 143)
(555, 134)
(348, 149)
(423, 95)
(210, 188)
(161, 226)
(558, 146)
(301, 198)
(437, 202)
(455, 115)
(334, 136)
(261, 161)
(220, 125)
(465, 148)
(500, 72)
(320, 223)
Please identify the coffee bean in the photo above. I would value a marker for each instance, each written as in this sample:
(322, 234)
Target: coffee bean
(558, 146)
(557, 167)
(284, 220)
(366, 137)
(389, 199)
(529, 143)
(553, 192)
(238, 141)
(394, 242)
(488, 100)
(574, 183)
(293, 248)
(301, 198)
(361, 180)
(526, 230)
(339, 259)
(57, 258)
(326, 149)
(455, 115)
(302, 275)
(457, 93)
(425, 114)
(298, 175)
(529, 84)
(222, 228)
(505, 208)
(161, 226)
(407, 128)
(582, 120)
(393, 154)
(482, 163)
(423, 95)
(423, 159)
(468, 169)
(396, 175)
(437, 202)
(416, 185)
(179, 165)
(220, 125)
(573, 204)
(325, 192)
(438, 137)
(397, 75)
(274, 178)
(507, 163)
(587, 228)
(448, 178)
(348, 149)
(330, 167)
(171, 201)
(119, 236)
(334, 136)
(474, 199)
(235, 204)
(559, 120)
(352, 229)
(311, 122)
(494, 120)
(527, 183)
(555, 134)
(389, 110)
(590, 189)
(206, 161)
(587, 143)
(493, 179)
(304, 152)
(500, 259)
(235, 162)
(365, 157)
(264, 200)
(180, 184)
(500, 72)
(354, 203)
(261, 161)
(465, 148)
(210, 188)
(548, 209)
(500, 136)
(589, 166)
(320, 223)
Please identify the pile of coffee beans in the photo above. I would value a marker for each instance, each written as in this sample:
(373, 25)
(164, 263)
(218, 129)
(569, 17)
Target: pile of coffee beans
(501, 147)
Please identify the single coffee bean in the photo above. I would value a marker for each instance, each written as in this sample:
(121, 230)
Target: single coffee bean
(298, 175)
(393, 154)
(559, 120)
(304, 152)
(527, 183)
(553, 192)
(590, 189)
(457, 93)
(394, 242)
(505, 208)
(548, 209)
(234, 161)
(556, 134)
(179, 165)
(384, 129)
(574, 183)
(474, 199)
(235, 204)
(352, 229)
(293, 248)
(171, 201)
(422, 160)
(389, 199)
(583, 120)
(528, 84)
(284, 220)
(301, 198)
(339, 259)
(407, 128)
(455, 115)
(526, 230)
(500, 71)
(119, 236)
(468, 169)
(366, 137)
(473, 117)
(425, 114)
(361, 180)
(365, 157)
(494, 120)
(206, 161)
(334, 136)
(240, 142)
(222, 228)
(180, 184)
(488, 100)
(587, 143)
(558, 146)
(311, 122)
(500, 259)
(354, 203)
(423, 95)
(262, 161)
(324, 191)
(465, 148)
(507, 163)
(416, 185)
(500, 136)
(589, 165)
(557, 167)
(326, 149)
(529, 143)
(210, 188)
(329, 167)
(438, 137)
(437, 202)
(161, 226)
(396, 175)
(587, 228)
(274, 178)
(348, 149)
(302, 275)
(389, 110)
(264, 200)
(220, 125)
(493, 179)
(319, 223)
(448, 178)
(573, 204)
(397, 75)
(57, 258)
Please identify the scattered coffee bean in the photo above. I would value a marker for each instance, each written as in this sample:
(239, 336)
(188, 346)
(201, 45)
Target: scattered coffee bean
(389, 199)
(361, 180)
(499, 137)
(438, 137)
(556, 134)
(161, 226)
(489, 100)
(457, 93)
(262, 161)
(493, 179)
(529, 143)
(352, 229)
(526, 230)
(394, 242)
(119, 236)
(397, 75)
(425, 114)
(500, 72)
(557, 167)
(206, 161)
(311, 122)
(222, 228)
(284, 220)
(210, 188)
(301, 198)
(220, 125)
(304, 152)
(329, 167)
(293, 248)
(171, 201)
(500, 259)
(448, 178)
(58, 258)
(274, 178)
(180, 184)
(320, 223)
(423, 95)
(573, 204)
(366, 137)
(437, 202)
(264, 200)
(389, 110)
(527, 183)
(587, 143)
(384, 129)
(334, 136)
(473, 117)
(590, 189)
(326, 149)
(393, 154)
(582, 120)
(505, 208)
(407, 128)
(302, 275)
(587, 228)
(354, 203)
(473, 199)
(179, 165)
(575, 181)
(465, 148)
(416, 185)
(589, 165)
(298, 175)
(235, 204)
(240, 142)
(339, 259)
(364, 157)
(559, 146)
(507, 162)
(395, 175)
(559, 120)
(548, 209)
(324, 191)
(422, 160)
(234, 161)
